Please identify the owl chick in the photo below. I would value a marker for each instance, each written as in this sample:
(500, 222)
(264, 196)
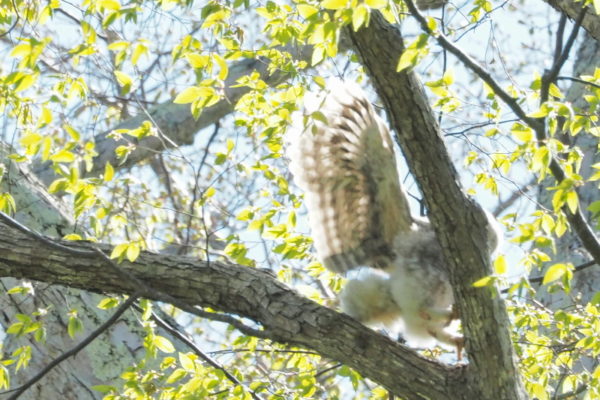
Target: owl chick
(359, 217)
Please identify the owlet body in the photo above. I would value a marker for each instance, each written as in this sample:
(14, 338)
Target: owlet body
(359, 217)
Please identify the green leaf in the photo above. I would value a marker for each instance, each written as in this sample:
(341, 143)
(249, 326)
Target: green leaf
(188, 95)
(306, 11)
(500, 265)
(74, 326)
(187, 362)
(108, 302)
(109, 172)
(376, 3)
(572, 201)
(555, 91)
(163, 344)
(133, 251)
(522, 132)
(359, 16)
(104, 388)
(177, 375)
(553, 273)
(486, 281)
(334, 4)
(63, 156)
(119, 250)
(595, 299)
(123, 79)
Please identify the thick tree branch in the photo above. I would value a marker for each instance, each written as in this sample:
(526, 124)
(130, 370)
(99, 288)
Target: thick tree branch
(458, 222)
(248, 292)
(572, 8)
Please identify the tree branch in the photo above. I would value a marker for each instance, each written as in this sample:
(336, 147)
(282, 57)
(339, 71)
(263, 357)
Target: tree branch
(248, 292)
(459, 223)
(572, 8)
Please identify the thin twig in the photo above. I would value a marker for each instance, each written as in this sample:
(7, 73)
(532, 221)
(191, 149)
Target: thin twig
(195, 192)
(97, 332)
(578, 268)
(337, 365)
(13, 26)
(570, 78)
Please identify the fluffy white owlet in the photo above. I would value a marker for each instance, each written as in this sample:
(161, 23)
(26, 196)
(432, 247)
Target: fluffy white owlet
(359, 217)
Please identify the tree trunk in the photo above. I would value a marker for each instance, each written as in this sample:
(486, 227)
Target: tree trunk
(105, 358)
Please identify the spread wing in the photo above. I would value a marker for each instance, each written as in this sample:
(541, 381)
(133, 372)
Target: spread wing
(344, 161)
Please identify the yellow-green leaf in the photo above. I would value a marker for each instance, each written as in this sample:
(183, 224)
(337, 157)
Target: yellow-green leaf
(522, 132)
(224, 70)
(133, 251)
(486, 281)
(210, 192)
(63, 156)
(197, 60)
(163, 344)
(188, 95)
(307, 11)
(376, 3)
(186, 362)
(74, 326)
(107, 303)
(109, 172)
(109, 4)
(72, 132)
(553, 273)
(555, 91)
(407, 60)
(359, 17)
(118, 250)
(123, 79)
(572, 201)
(500, 265)
(334, 4)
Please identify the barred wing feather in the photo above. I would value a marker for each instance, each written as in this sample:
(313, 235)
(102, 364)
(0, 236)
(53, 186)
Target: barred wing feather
(345, 163)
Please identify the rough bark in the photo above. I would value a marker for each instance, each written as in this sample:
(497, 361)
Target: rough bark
(105, 358)
(571, 8)
(457, 221)
(284, 315)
